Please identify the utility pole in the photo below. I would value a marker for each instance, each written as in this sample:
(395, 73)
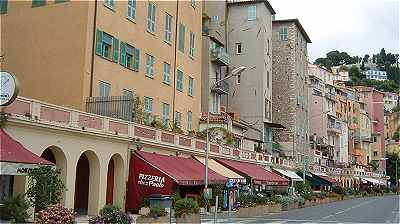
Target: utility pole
(397, 179)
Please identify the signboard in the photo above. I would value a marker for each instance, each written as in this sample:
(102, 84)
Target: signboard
(16, 169)
(151, 180)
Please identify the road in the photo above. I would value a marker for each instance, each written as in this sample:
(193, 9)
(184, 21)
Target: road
(361, 210)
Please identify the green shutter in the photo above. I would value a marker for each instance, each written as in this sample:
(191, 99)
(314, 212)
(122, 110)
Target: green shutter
(182, 38)
(3, 6)
(115, 49)
(136, 60)
(99, 42)
(37, 3)
(123, 54)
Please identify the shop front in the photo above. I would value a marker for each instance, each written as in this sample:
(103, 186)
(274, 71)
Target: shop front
(154, 174)
(235, 182)
(290, 175)
(258, 179)
(15, 163)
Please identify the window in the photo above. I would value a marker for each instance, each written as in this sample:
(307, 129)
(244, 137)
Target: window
(375, 153)
(148, 108)
(165, 115)
(375, 139)
(109, 3)
(37, 3)
(193, 2)
(190, 90)
(130, 57)
(151, 17)
(107, 46)
(179, 81)
(168, 28)
(216, 103)
(181, 43)
(131, 9)
(126, 92)
(251, 12)
(238, 79)
(149, 66)
(166, 73)
(177, 119)
(268, 47)
(238, 48)
(191, 47)
(189, 120)
(283, 33)
(215, 19)
(104, 88)
(268, 79)
(3, 6)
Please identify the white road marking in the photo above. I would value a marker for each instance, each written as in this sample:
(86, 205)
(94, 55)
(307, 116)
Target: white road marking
(348, 209)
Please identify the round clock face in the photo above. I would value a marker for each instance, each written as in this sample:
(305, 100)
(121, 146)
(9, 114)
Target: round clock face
(8, 88)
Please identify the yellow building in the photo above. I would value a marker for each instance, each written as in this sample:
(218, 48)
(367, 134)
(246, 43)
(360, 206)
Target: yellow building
(63, 52)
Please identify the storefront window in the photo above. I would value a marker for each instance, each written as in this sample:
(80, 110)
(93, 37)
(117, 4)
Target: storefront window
(6, 186)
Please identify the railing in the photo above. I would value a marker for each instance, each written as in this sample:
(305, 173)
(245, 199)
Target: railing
(221, 87)
(331, 96)
(335, 126)
(120, 107)
(32, 112)
(220, 56)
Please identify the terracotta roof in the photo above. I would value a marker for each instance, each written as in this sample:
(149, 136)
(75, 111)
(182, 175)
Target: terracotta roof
(267, 4)
(297, 22)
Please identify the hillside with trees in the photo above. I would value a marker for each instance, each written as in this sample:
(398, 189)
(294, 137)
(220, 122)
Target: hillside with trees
(382, 61)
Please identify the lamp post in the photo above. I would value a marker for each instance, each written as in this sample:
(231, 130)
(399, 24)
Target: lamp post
(234, 72)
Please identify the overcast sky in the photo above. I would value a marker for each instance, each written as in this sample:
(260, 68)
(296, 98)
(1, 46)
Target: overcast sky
(355, 26)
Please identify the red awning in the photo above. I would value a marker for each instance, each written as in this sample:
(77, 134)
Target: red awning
(13, 152)
(329, 179)
(258, 174)
(184, 171)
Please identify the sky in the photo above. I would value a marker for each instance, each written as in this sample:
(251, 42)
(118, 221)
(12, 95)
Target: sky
(357, 27)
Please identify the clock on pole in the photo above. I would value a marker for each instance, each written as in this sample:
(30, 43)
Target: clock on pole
(8, 88)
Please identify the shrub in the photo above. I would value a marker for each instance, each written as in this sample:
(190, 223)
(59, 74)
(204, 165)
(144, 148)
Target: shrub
(286, 200)
(301, 201)
(16, 209)
(247, 201)
(45, 187)
(113, 214)
(55, 214)
(97, 220)
(156, 211)
(186, 206)
(302, 188)
(338, 190)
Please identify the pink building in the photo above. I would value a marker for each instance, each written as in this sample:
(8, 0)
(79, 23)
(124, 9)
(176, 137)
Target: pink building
(375, 109)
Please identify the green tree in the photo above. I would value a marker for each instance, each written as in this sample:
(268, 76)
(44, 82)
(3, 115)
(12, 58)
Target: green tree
(391, 166)
(44, 187)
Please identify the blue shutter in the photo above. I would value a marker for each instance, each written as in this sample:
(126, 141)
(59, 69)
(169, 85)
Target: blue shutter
(136, 59)
(99, 42)
(115, 49)
(123, 54)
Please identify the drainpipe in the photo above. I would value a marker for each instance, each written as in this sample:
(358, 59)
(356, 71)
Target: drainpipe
(93, 50)
(175, 61)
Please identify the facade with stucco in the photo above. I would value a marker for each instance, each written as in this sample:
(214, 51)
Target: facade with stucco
(112, 48)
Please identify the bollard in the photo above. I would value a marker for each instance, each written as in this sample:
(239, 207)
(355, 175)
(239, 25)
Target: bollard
(216, 209)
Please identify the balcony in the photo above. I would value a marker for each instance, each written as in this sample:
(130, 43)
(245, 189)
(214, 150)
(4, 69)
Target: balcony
(331, 96)
(220, 88)
(120, 107)
(220, 57)
(335, 127)
(367, 139)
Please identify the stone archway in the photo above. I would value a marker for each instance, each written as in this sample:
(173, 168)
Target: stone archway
(115, 181)
(87, 182)
(55, 155)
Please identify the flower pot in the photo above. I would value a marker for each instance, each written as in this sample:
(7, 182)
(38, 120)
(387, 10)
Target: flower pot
(188, 218)
(161, 219)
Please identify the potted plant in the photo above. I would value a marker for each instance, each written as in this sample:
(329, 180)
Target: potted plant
(187, 211)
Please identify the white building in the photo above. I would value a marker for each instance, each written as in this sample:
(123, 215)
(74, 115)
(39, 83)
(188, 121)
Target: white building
(341, 73)
(390, 100)
(376, 75)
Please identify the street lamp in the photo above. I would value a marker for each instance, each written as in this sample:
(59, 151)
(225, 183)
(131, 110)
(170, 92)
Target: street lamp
(234, 72)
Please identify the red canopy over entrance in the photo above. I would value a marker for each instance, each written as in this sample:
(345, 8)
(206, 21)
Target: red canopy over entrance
(258, 174)
(151, 173)
(13, 152)
(329, 179)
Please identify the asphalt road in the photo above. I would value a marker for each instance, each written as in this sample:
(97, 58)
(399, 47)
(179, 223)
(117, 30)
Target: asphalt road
(361, 210)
